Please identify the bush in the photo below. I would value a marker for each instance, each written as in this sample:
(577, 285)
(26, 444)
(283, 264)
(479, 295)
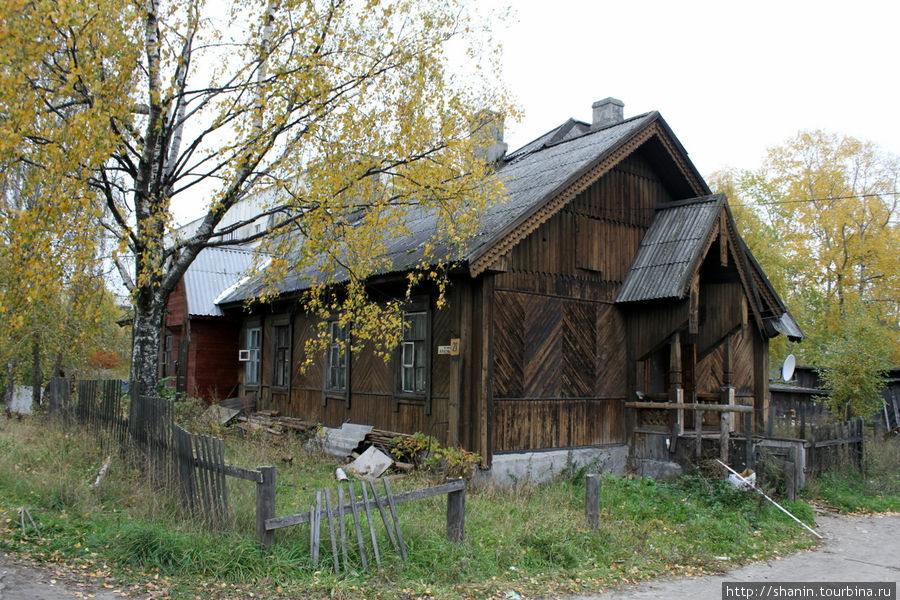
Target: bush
(426, 453)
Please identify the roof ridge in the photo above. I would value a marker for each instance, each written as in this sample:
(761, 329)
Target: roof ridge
(557, 136)
(593, 131)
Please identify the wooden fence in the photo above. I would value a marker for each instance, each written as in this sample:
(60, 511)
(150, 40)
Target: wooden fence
(835, 446)
(354, 510)
(194, 467)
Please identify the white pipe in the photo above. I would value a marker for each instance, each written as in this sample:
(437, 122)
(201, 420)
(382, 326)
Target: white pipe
(781, 508)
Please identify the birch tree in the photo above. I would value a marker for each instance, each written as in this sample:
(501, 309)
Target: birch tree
(331, 108)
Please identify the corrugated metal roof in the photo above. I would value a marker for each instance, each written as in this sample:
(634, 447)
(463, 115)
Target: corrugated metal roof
(214, 270)
(670, 250)
(787, 325)
(531, 175)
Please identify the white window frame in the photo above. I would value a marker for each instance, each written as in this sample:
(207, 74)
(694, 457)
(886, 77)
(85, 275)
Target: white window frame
(252, 366)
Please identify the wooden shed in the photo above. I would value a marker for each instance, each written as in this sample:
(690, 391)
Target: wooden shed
(608, 270)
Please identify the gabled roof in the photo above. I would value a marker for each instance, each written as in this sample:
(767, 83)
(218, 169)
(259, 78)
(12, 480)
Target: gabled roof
(671, 250)
(675, 245)
(540, 178)
(214, 270)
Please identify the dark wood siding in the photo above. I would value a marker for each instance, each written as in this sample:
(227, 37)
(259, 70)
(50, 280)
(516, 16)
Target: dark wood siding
(213, 364)
(372, 399)
(559, 359)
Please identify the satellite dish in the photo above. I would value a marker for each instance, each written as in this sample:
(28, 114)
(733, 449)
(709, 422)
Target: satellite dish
(787, 369)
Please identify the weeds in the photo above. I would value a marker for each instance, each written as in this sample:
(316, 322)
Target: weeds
(531, 539)
(877, 489)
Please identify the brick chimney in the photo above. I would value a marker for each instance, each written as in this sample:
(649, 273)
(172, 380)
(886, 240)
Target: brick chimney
(608, 111)
(488, 134)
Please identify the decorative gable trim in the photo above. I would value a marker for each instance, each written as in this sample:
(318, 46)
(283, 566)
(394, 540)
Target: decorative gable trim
(493, 253)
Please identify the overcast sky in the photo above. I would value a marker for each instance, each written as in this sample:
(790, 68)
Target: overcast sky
(731, 78)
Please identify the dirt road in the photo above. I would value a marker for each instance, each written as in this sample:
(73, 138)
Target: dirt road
(21, 581)
(856, 549)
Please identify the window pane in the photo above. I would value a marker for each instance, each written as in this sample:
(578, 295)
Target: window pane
(414, 326)
(408, 354)
(420, 379)
(420, 354)
(408, 379)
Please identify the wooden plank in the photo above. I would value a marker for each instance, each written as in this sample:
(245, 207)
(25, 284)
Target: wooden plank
(359, 538)
(698, 432)
(314, 529)
(592, 501)
(725, 425)
(456, 516)
(265, 505)
(487, 360)
(393, 507)
(691, 406)
(202, 478)
(343, 526)
(444, 488)
(334, 550)
(384, 519)
(220, 472)
(371, 523)
(239, 473)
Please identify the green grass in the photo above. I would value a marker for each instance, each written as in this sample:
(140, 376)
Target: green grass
(875, 490)
(531, 539)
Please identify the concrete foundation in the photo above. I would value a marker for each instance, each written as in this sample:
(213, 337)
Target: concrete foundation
(661, 470)
(510, 469)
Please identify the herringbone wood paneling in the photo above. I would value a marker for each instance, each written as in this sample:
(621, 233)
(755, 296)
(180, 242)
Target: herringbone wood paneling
(543, 345)
(579, 361)
(710, 371)
(509, 344)
(610, 350)
(742, 355)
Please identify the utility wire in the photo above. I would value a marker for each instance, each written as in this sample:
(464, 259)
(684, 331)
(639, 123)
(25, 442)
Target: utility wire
(801, 200)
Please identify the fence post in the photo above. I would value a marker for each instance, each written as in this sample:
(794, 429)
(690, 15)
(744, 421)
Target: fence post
(861, 457)
(265, 505)
(592, 501)
(456, 516)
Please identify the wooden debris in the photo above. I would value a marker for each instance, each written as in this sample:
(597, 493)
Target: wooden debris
(359, 537)
(271, 423)
(384, 518)
(371, 524)
(315, 528)
(334, 550)
(390, 497)
(23, 512)
(102, 474)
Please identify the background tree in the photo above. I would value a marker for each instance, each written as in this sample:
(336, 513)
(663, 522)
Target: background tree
(50, 284)
(345, 112)
(821, 215)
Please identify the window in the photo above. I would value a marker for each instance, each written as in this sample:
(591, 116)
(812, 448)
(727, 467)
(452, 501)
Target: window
(336, 370)
(168, 343)
(413, 353)
(282, 355)
(251, 367)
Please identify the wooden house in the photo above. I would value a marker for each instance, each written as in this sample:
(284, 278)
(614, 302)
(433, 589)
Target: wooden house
(199, 343)
(609, 271)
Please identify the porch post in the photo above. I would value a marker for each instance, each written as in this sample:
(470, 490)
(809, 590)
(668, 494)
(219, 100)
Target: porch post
(676, 393)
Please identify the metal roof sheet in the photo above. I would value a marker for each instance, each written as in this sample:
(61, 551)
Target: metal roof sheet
(214, 270)
(670, 250)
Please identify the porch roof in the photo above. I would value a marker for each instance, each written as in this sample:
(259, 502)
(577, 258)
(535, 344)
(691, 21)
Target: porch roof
(671, 250)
